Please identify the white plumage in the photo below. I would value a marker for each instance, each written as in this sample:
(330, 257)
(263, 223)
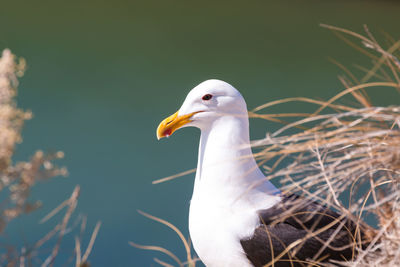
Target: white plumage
(229, 187)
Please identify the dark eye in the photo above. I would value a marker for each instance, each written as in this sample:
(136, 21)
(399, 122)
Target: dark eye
(206, 97)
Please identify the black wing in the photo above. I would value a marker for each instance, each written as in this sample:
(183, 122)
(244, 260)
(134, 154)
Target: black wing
(297, 229)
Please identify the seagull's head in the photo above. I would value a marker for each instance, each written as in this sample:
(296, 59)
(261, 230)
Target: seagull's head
(205, 104)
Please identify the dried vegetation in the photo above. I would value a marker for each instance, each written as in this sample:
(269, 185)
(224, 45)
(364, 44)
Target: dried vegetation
(17, 180)
(347, 156)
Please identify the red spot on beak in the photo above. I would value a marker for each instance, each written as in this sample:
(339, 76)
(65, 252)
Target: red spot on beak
(167, 132)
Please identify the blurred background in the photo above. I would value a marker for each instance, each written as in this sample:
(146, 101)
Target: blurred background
(102, 74)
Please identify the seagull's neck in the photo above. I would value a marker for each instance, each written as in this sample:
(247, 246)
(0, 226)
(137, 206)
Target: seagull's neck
(229, 191)
(225, 158)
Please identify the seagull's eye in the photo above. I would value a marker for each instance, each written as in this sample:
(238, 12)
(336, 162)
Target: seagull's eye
(206, 97)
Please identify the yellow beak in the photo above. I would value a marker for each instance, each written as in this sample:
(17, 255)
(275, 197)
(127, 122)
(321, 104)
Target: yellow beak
(169, 125)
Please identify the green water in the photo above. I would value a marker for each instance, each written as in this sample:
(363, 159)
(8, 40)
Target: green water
(102, 74)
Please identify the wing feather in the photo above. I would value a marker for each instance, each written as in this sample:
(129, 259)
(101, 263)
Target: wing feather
(298, 229)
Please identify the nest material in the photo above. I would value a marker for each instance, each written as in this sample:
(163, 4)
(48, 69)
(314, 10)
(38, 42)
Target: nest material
(349, 159)
(351, 163)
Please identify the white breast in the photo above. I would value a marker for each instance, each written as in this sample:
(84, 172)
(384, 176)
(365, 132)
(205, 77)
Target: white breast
(229, 190)
(213, 231)
(217, 223)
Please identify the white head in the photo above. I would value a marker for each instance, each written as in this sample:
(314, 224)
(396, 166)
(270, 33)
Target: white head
(204, 104)
(225, 156)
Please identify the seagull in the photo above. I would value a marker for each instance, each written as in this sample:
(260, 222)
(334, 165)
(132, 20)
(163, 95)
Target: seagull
(237, 217)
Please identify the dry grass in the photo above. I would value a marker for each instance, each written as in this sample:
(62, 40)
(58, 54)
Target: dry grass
(344, 156)
(17, 181)
(349, 159)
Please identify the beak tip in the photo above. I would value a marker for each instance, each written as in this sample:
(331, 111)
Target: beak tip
(170, 124)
